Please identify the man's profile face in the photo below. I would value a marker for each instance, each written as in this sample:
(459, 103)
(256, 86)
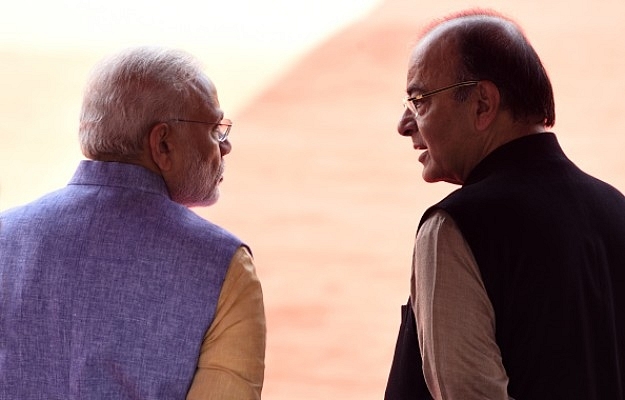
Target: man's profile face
(201, 166)
(439, 129)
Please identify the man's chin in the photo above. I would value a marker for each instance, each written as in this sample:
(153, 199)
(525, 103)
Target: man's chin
(434, 178)
(203, 202)
(429, 177)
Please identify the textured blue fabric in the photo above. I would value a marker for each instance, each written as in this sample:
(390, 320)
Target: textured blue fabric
(107, 288)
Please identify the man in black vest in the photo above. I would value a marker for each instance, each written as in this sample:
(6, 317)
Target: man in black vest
(518, 283)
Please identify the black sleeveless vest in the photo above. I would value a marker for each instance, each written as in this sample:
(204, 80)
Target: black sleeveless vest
(550, 244)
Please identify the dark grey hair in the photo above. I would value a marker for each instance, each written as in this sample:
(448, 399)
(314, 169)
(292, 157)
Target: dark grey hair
(493, 47)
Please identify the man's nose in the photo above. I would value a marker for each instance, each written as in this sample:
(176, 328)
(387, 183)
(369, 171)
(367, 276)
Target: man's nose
(225, 147)
(407, 124)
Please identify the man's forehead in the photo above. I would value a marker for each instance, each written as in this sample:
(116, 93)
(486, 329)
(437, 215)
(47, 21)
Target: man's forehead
(205, 101)
(415, 72)
(422, 68)
(431, 58)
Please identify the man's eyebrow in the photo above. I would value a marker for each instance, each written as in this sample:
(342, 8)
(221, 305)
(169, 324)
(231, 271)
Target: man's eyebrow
(220, 115)
(415, 87)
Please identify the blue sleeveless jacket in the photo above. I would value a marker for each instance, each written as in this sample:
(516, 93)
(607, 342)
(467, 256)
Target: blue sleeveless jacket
(107, 288)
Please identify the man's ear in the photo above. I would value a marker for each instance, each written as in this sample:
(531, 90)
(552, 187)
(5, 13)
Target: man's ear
(488, 104)
(161, 146)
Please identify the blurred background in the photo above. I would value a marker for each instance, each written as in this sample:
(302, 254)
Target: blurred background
(319, 183)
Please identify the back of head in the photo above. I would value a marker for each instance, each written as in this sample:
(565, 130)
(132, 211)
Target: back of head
(492, 47)
(130, 92)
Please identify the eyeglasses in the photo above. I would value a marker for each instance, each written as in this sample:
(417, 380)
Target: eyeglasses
(223, 126)
(412, 103)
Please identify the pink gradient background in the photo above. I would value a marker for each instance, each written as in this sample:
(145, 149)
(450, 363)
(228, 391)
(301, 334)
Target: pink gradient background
(319, 183)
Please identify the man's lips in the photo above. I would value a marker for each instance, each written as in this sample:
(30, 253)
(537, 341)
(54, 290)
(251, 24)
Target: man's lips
(424, 154)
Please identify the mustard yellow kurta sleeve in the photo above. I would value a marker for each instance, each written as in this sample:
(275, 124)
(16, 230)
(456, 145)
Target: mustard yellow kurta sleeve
(231, 363)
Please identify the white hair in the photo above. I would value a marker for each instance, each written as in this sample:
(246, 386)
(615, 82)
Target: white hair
(130, 92)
